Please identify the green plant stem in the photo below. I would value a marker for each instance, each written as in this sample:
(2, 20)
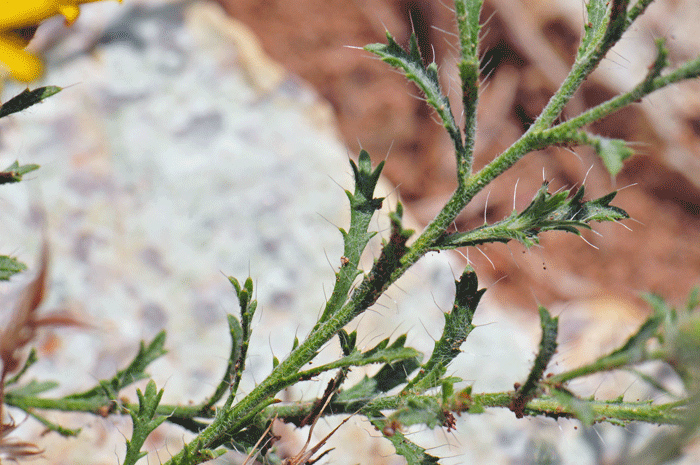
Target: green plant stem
(236, 418)
(582, 68)
(689, 70)
(637, 10)
(468, 12)
(604, 411)
(96, 406)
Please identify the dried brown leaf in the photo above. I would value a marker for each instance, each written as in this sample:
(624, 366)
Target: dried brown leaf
(13, 449)
(25, 321)
(20, 330)
(22, 326)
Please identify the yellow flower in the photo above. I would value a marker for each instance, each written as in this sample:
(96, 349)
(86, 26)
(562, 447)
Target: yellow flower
(18, 20)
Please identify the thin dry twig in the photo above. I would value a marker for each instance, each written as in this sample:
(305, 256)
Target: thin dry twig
(12, 448)
(304, 457)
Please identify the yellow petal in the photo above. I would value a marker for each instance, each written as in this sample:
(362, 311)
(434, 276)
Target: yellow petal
(22, 65)
(15, 14)
(70, 12)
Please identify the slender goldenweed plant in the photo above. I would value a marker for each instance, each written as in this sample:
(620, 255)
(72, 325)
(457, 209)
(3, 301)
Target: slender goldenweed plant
(407, 390)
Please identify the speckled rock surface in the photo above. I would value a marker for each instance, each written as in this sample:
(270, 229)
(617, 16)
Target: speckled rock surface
(177, 154)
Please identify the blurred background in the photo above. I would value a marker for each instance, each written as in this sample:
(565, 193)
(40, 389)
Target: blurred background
(188, 144)
(527, 50)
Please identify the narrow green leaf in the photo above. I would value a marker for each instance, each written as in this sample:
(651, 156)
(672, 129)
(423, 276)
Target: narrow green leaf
(234, 368)
(240, 332)
(595, 26)
(32, 358)
(468, 13)
(347, 341)
(144, 422)
(33, 388)
(548, 345)
(635, 348)
(399, 362)
(458, 325)
(617, 23)
(363, 205)
(426, 78)
(639, 7)
(607, 21)
(55, 427)
(26, 99)
(134, 372)
(633, 351)
(366, 180)
(659, 64)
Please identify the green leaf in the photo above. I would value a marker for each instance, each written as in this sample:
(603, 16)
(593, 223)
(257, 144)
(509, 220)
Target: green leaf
(607, 21)
(14, 172)
(458, 325)
(423, 410)
(546, 212)
(134, 372)
(10, 266)
(413, 453)
(144, 421)
(613, 152)
(366, 180)
(468, 12)
(548, 345)
(634, 350)
(348, 342)
(234, 368)
(583, 410)
(26, 99)
(363, 205)
(32, 358)
(51, 426)
(426, 78)
(594, 28)
(389, 260)
(33, 388)
(240, 332)
(399, 362)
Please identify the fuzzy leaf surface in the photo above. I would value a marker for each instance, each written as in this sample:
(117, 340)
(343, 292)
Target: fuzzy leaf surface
(546, 212)
(458, 325)
(363, 205)
(426, 78)
(548, 345)
(144, 421)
